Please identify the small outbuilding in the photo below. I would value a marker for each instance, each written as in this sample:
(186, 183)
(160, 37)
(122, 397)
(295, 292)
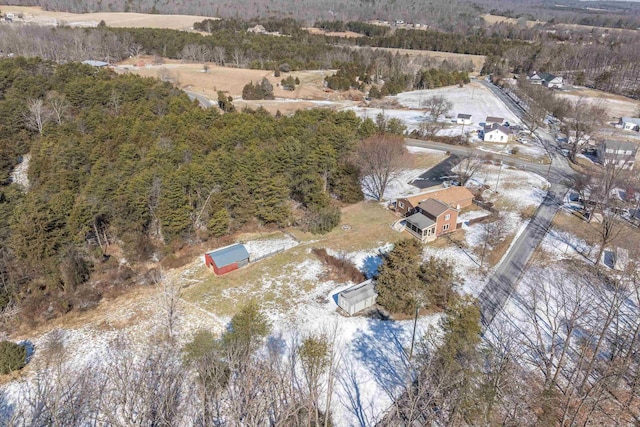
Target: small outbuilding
(227, 259)
(463, 119)
(358, 297)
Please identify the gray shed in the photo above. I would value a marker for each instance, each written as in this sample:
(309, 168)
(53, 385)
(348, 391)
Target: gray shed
(358, 297)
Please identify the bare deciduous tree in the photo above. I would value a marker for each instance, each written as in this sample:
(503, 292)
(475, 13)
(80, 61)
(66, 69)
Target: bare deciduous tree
(381, 158)
(583, 119)
(468, 167)
(37, 115)
(435, 106)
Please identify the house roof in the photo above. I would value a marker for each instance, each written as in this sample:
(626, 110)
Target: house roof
(452, 196)
(618, 145)
(421, 221)
(434, 207)
(359, 292)
(635, 120)
(95, 63)
(542, 76)
(464, 116)
(491, 119)
(499, 127)
(229, 254)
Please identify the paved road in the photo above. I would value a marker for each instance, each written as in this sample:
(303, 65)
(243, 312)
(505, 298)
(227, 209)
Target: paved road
(431, 178)
(504, 280)
(203, 100)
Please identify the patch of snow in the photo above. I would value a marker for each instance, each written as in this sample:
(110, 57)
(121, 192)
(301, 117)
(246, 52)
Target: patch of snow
(261, 248)
(562, 244)
(20, 175)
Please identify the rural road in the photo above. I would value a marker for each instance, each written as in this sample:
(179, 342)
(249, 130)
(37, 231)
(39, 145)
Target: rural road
(507, 274)
(203, 100)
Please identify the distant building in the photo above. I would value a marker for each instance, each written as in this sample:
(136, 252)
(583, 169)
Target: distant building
(98, 64)
(258, 29)
(620, 153)
(358, 297)
(630, 123)
(229, 258)
(546, 79)
(497, 133)
(463, 119)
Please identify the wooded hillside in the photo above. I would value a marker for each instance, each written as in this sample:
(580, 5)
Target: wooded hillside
(132, 162)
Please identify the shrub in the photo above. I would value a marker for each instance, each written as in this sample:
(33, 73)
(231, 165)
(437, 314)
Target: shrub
(343, 269)
(323, 220)
(13, 357)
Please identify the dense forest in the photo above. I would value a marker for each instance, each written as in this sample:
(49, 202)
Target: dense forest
(127, 162)
(450, 15)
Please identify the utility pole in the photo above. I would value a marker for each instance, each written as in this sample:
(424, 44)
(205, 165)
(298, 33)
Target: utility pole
(413, 335)
(499, 171)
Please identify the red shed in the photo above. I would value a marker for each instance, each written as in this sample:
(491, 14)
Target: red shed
(227, 259)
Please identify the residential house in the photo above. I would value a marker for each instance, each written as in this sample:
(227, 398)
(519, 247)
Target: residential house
(620, 153)
(358, 297)
(497, 133)
(490, 120)
(229, 258)
(258, 29)
(546, 79)
(432, 218)
(457, 197)
(463, 119)
(630, 123)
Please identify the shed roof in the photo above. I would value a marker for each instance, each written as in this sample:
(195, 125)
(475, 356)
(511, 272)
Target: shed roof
(464, 116)
(359, 292)
(421, 221)
(452, 196)
(229, 254)
(434, 207)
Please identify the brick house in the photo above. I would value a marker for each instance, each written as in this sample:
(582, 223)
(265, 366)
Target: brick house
(432, 218)
(456, 197)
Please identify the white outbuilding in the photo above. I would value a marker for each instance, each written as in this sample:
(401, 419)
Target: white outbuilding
(358, 297)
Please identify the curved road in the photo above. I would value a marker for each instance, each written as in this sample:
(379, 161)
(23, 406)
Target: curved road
(504, 280)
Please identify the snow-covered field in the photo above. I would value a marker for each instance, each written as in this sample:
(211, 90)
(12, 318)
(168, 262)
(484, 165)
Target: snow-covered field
(472, 99)
(261, 248)
(516, 189)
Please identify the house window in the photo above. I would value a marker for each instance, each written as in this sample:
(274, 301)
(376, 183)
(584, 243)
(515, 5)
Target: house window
(445, 227)
(401, 205)
(501, 137)
(447, 217)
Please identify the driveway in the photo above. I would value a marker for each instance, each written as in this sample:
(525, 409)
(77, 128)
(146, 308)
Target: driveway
(431, 178)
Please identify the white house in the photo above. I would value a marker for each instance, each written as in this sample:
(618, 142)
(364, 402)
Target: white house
(463, 119)
(358, 297)
(546, 79)
(497, 133)
(630, 123)
(621, 153)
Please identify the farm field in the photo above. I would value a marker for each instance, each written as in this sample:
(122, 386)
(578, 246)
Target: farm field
(37, 15)
(616, 106)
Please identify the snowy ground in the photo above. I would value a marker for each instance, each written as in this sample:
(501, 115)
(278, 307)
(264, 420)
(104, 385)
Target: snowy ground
(19, 175)
(472, 99)
(261, 248)
(516, 189)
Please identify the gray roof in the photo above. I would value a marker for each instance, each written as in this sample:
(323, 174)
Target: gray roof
(618, 145)
(95, 63)
(434, 207)
(497, 126)
(543, 76)
(491, 119)
(421, 221)
(359, 292)
(464, 116)
(635, 120)
(228, 255)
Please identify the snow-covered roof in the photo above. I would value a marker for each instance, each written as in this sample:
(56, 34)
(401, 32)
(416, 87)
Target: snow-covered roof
(464, 116)
(95, 63)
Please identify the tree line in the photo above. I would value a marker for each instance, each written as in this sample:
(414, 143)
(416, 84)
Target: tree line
(131, 162)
